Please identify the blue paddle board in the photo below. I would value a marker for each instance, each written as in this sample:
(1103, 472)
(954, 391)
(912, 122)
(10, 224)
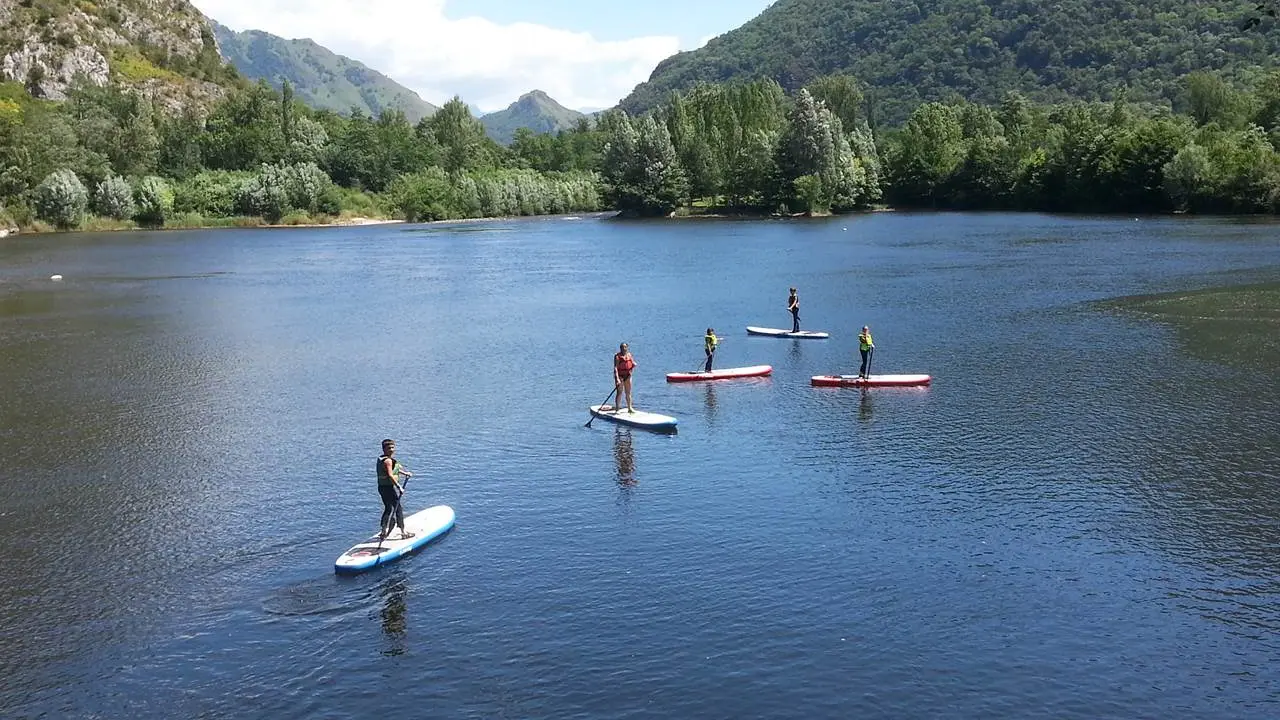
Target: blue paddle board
(426, 525)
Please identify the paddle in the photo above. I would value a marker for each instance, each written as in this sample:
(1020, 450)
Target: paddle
(871, 352)
(606, 402)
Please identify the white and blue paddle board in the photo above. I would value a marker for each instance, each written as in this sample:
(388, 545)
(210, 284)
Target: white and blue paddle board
(777, 332)
(426, 525)
(639, 418)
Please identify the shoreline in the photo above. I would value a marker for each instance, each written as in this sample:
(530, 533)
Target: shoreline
(247, 223)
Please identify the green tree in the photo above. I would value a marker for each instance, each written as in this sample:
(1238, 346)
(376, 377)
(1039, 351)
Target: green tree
(842, 94)
(61, 199)
(461, 137)
(153, 199)
(113, 198)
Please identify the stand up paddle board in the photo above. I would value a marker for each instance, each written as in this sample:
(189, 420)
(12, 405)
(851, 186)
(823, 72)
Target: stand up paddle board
(639, 418)
(873, 381)
(426, 525)
(725, 374)
(776, 332)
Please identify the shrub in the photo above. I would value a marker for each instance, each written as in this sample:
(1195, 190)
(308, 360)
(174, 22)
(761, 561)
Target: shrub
(154, 200)
(213, 193)
(113, 198)
(280, 188)
(61, 199)
(261, 196)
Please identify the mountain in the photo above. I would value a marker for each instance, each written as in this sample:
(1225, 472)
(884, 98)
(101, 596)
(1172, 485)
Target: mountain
(907, 52)
(164, 49)
(320, 77)
(534, 110)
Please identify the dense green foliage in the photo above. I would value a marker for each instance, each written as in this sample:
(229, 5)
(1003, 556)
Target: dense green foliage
(748, 147)
(263, 153)
(321, 78)
(535, 112)
(931, 50)
(738, 147)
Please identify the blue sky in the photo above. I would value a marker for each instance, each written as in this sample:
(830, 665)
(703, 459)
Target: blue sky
(586, 55)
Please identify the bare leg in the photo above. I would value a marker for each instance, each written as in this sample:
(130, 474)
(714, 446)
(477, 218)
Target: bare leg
(627, 384)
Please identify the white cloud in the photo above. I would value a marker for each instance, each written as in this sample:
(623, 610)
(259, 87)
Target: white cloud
(488, 64)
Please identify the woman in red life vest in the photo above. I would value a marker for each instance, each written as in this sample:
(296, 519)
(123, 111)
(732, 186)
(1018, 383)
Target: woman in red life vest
(623, 364)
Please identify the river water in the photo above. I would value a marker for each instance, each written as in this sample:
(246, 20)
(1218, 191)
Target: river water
(1079, 519)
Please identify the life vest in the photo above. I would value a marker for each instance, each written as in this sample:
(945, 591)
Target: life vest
(711, 341)
(383, 477)
(864, 341)
(624, 363)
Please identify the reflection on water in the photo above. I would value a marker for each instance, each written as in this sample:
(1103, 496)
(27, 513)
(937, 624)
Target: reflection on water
(865, 405)
(394, 613)
(624, 458)
(709, 400)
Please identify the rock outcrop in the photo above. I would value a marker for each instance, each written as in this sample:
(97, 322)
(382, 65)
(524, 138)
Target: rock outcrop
(164, 48)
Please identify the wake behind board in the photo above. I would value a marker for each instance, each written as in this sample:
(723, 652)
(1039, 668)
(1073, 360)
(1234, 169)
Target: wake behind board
(639, 418)
(725, 374)
(426, 525)
(873, 381)
(777, 332)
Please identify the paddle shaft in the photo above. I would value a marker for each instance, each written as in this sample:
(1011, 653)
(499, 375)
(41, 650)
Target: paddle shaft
(606, 402)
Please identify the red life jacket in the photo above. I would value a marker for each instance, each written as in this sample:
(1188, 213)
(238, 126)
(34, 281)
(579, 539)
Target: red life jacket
(624, 363)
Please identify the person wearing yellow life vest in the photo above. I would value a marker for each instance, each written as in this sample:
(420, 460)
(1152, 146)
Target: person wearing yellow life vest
(709, 344)
(867, 348)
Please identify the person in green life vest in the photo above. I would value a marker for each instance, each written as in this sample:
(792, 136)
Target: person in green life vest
(390, 489)
(709, 344)
(867, 348)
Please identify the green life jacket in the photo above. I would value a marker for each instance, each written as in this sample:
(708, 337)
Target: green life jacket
(383, 477)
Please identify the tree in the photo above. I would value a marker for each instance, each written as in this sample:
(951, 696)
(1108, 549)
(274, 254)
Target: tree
(61, 199)
(154, 200)
(461, 137)
(925, 155)
(113, 198)
(842, 95)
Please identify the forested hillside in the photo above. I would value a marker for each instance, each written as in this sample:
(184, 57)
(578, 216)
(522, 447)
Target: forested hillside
(320, 77)
(908, 52)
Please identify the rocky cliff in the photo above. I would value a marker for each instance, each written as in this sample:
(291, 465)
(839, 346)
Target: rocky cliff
(163, 48)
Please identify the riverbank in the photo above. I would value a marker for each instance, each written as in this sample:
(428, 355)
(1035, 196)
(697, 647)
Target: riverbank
(197, 222)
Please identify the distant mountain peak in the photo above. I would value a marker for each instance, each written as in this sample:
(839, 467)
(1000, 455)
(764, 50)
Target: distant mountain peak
(534, 110)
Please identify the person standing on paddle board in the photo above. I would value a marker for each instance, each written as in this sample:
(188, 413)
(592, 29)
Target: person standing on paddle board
(390, 489)
(623, 364)
(709, 344)
(866, 347)
(793, 304)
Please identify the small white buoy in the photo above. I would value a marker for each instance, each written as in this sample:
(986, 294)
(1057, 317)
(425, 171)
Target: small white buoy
(844, 228)
(55, 278)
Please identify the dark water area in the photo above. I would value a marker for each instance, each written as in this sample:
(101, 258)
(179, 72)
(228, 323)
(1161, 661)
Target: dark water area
(1080, 518)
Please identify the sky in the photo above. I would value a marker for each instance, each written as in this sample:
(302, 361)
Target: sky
(587, 56)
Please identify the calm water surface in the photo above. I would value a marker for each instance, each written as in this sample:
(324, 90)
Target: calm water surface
(1079, 519)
